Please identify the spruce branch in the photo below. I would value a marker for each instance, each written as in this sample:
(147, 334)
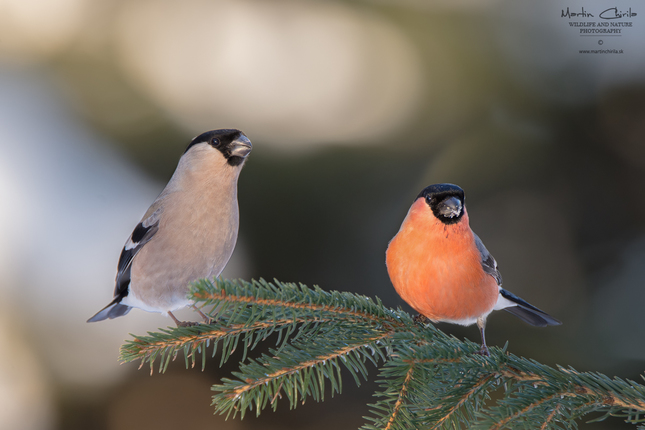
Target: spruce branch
(427, 379)
(297, 368)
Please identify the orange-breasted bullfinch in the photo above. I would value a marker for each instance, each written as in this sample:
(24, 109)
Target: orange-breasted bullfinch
(441, 268)
(188, 233)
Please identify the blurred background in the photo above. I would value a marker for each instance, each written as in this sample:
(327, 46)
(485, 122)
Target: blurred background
(353, 107)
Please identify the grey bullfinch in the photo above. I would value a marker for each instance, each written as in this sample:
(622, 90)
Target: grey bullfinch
(189, 232)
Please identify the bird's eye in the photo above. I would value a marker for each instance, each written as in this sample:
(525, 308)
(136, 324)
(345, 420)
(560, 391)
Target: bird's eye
(214, 141)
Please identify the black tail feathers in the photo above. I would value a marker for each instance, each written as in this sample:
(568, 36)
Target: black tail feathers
(527, 312)
(114, 310)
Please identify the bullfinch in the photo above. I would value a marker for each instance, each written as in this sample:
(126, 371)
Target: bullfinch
(188, 233)
(441, 268)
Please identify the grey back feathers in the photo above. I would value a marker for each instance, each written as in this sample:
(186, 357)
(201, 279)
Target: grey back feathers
(488, 262)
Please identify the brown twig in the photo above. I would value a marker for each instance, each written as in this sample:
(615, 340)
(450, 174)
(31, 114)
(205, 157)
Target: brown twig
(468, 395)
(551, 416)
(309, 363)
(203, 295)
(399, 401)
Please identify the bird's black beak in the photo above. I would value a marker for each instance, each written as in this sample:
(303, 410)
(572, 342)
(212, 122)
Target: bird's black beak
(450, 207)
(241, 147)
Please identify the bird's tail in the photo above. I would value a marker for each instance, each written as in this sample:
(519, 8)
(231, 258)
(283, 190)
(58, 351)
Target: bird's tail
(527, 312)
(114, 310)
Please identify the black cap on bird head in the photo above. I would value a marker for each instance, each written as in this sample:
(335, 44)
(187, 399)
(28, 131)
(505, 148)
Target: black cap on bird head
(447, 201)
(233, 144)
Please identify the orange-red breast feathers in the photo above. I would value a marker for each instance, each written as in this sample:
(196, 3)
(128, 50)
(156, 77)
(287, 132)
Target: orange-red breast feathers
(436, 268)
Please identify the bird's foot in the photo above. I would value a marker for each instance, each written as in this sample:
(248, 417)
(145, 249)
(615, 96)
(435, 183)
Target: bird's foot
(483, 351)
(421, 319)
(182, 323)
(187, 323)
(207, 320)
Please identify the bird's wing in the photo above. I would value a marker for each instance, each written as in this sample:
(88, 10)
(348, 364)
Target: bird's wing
(509, 301)
(488, 262)
(142, 233)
